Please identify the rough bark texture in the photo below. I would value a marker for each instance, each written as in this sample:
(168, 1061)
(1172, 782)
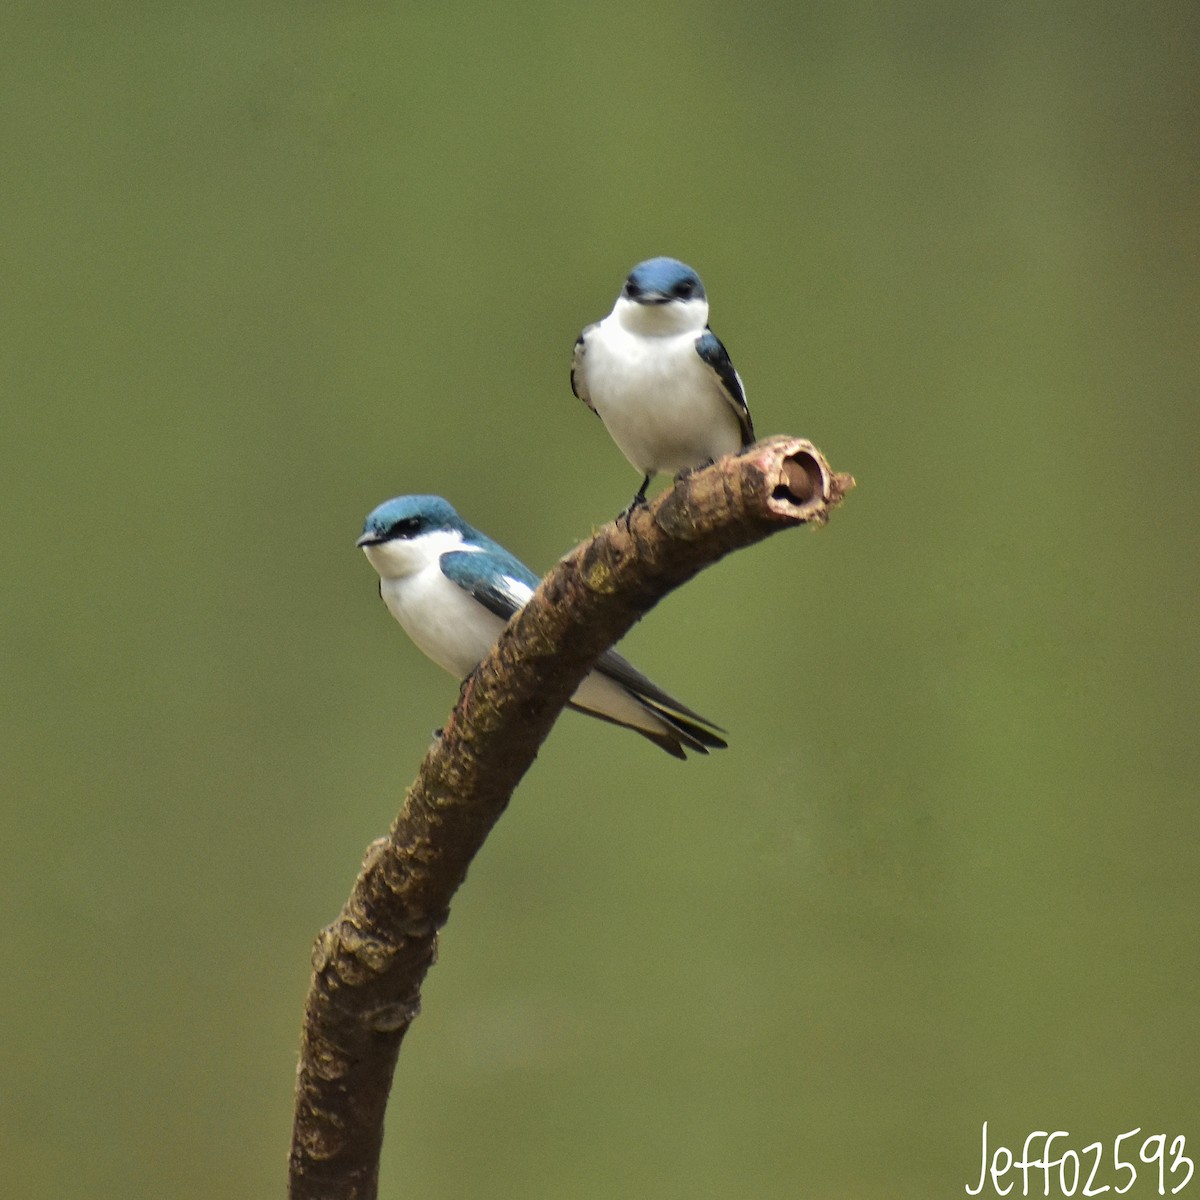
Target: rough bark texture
(369, 964)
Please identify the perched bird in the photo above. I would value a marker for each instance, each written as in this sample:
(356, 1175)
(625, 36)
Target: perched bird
(659, 378)
(453, 590)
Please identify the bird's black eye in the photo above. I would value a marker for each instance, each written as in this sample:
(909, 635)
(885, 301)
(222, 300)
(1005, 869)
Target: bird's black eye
(632, 290)
(682, 290)
(404, 528)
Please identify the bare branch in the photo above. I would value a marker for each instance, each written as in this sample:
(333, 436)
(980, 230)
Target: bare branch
(368, 966)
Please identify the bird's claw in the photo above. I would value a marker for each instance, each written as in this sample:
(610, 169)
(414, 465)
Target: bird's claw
(626, 514)
(639, 501)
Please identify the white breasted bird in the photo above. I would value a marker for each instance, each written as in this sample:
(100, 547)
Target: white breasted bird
(453, 590)
(659, 378)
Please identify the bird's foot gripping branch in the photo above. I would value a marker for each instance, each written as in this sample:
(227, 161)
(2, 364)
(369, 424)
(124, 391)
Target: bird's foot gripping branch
(368, 966)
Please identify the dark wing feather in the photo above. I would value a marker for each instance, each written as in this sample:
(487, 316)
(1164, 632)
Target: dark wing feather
(669, 740)
(694, 730)
(709, 347)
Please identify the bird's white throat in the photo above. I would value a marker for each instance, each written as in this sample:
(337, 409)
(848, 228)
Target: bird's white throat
(661, 320)
(402, 557)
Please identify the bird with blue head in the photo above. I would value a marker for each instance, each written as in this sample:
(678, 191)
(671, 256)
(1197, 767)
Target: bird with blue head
(659, 378)
(453, 589)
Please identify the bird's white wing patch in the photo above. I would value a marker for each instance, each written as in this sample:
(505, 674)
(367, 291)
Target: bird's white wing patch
(519, 591)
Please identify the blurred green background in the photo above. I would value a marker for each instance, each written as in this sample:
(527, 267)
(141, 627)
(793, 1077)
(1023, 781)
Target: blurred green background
(266, 265)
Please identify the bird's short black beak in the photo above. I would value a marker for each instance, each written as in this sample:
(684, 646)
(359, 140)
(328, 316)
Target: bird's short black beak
(648, 296)
(368, 539)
